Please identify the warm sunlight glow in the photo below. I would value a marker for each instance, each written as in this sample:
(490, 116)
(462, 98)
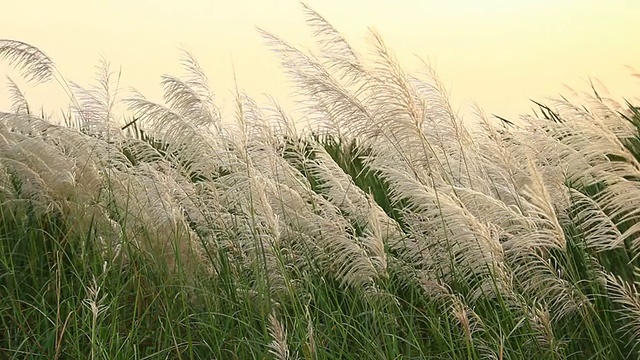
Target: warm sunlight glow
(496, 53)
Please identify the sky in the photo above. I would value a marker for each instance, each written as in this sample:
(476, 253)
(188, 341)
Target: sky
(498, 54)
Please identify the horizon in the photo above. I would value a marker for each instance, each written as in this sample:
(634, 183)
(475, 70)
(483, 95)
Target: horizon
(499, 54)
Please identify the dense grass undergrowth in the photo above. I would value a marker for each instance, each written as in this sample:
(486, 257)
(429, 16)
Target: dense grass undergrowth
(385, 229)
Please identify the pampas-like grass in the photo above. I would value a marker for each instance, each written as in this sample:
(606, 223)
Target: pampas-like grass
(506, 234)
(35, 65)
(19, 104)
(94, 105)
(279, 347)
(626, 294)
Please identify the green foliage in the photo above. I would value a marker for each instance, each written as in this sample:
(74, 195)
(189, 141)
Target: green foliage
(390, 230)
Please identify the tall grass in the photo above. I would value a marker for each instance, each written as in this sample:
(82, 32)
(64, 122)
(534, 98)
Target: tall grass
(386, 229)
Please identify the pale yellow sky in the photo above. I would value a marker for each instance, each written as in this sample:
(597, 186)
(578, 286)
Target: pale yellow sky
(497, 53)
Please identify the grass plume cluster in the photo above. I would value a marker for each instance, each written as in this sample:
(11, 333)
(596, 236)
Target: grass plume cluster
(386, 229)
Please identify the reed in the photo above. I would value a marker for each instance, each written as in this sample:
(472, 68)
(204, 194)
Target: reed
(388, 228)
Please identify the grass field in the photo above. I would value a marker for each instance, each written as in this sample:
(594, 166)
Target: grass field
(387, 228)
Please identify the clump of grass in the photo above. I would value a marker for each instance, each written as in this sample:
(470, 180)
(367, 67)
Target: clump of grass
(387, 229)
